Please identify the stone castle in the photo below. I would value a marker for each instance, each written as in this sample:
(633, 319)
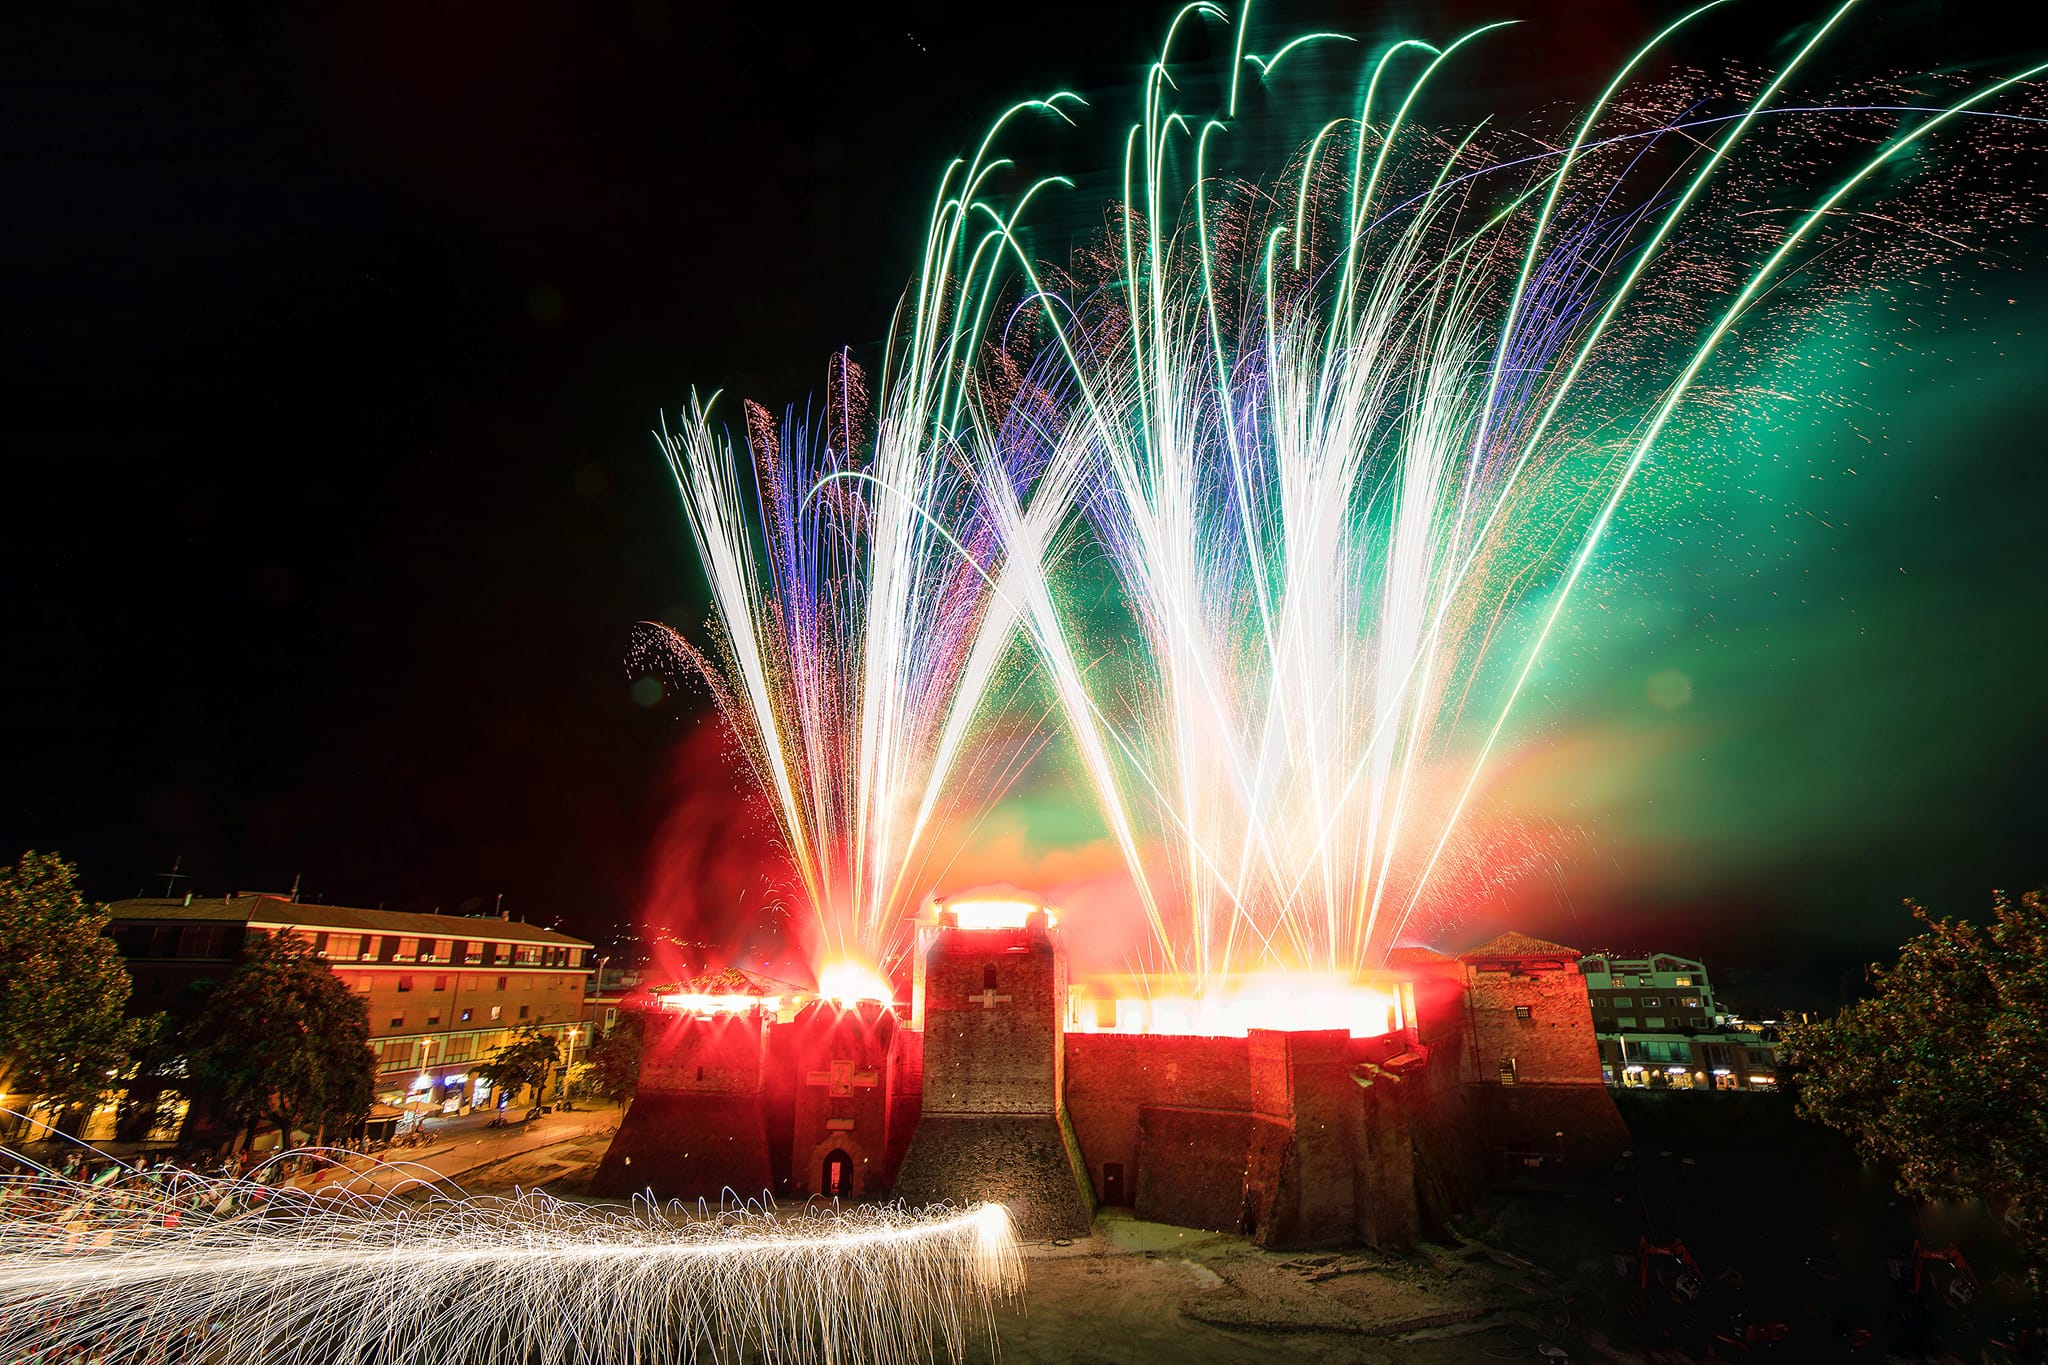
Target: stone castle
(1297, 1139)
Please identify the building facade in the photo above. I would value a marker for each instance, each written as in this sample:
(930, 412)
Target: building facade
(443, 992)
(1659, 1026)
(983, 1089)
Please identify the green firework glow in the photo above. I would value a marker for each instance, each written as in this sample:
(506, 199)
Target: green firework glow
(1353, 441)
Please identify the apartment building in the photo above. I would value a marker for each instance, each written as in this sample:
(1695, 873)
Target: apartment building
(444, 992)
(1659, 1026)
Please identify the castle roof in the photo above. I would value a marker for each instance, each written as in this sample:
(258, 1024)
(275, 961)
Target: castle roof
(1417, 955)
(1512, 944)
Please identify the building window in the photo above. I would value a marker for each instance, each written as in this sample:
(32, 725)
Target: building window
(1626, 1021)
(988, 977)
(1653, 1023)
(523, 1010)
(1623, 1002)
(405, 983)
(444, 948)
(1683, 981)
(1507, 1071)
(497, 1011)
(345, 947)
(527, 955)
(202, 940)
(440, 983)
(433, 1019)
(1521, 1011)
(465, 1016)
(372, 946)
(501, 983)
(362, 984)
(398, 1020)
(472, 953)
(468, 981)
(408, 949)
(1651, 1002)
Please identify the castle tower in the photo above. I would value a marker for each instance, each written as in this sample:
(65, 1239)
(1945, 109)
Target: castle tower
(990, 988)
(1531, 1060)
(845, 1070)
(698, 1125)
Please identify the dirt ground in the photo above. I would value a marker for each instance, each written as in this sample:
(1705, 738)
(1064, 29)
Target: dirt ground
(1140, 1292)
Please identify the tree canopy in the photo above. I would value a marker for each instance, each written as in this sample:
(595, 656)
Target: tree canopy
(283, 1040)
(63, 987)
(1943, 1071)
(524, 1060)
(615, 1059)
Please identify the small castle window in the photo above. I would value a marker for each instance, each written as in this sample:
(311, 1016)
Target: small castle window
(988, 977)
(1507, 1071)
(700, 1073)
(1521, 1011)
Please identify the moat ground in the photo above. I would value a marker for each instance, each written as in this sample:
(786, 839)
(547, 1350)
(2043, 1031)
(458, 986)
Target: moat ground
(1784, 1225)
(1140, 1292)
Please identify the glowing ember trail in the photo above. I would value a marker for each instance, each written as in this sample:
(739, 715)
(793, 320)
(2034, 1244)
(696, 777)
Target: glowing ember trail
(236, 1271)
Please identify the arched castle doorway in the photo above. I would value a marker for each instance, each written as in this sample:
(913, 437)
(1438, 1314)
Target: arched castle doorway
(836, 1182)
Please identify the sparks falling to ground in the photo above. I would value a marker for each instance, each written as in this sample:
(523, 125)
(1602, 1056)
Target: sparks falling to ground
(239, 1271)
(1350, 440)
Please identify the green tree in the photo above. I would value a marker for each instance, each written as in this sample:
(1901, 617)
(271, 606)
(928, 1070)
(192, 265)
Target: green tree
(523, 1061)
(1943, 1071)
(615, 1059)
(63, 988)
(283, 1041)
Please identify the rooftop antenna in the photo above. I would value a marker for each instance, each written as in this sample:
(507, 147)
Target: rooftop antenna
(174, 875)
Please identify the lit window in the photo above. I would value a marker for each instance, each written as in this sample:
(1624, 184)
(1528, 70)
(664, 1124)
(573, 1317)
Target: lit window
(497, 1011)
(1683, 981)
(1651, 1002)
(465, 1016)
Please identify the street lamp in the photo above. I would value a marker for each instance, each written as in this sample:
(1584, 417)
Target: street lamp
(569, 1065)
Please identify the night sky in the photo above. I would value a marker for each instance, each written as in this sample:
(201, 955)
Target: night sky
(336, 343)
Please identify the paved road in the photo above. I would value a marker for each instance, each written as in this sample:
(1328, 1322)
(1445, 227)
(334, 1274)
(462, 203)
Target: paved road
(462, 1144)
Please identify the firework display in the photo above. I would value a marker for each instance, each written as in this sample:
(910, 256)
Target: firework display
(134, 1267)
(1348, 439)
